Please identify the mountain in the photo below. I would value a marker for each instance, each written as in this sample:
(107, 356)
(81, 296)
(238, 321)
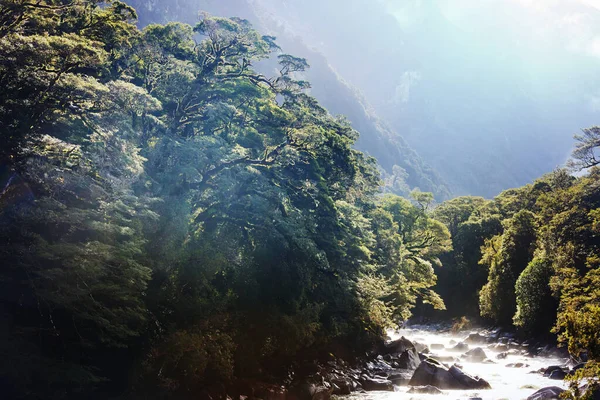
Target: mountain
(488, 93)
(470, 99)
(402, 168)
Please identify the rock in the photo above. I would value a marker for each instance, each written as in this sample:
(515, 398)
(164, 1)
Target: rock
(488, 361)
(342, 386)
(370, 384)
(309, 391)
(576, 367)
(452, 341)
(409, 360)
(444, 359)
(400, 378)
(475, 338)
(460, 347)
(501, 347)
(502, 356)
(517, 365)
(475, 355)
(547, 393)
(548, 371)
(425, 390)
(378, 366)
(433, 373)
(558, 374)
(421, 348)
(398, 346)
(468, 381)
(437, 346)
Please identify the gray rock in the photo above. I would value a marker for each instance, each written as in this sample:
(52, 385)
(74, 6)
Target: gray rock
(342, 386)
(548, 371)
(501, 347)
(460, 347)
(398, 346)
(425, 390)
(475, 338)
(421, 348)
(558, 374)
(409, 359)
(378, 365)
(475, 355)
(433, 373)
(547, 393)
(468, 381)
(437, 346)
(517, 365)
(371, 384)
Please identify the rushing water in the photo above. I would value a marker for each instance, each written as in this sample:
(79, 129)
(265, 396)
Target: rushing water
(507, 382)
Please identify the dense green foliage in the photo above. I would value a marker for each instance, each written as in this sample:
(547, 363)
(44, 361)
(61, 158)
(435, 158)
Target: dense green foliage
(171, 219)
(536, 308)
(542, 269)
(506, 257)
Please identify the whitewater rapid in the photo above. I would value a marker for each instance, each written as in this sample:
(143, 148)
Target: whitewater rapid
(508, 382)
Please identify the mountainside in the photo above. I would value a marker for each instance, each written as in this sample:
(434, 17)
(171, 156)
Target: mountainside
(403, 169)
(489, 95)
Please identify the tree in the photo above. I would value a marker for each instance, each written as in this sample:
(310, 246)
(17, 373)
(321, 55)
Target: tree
(536, 307)
(407, 244)
(584, 154)
(506, 257)
(471, 221)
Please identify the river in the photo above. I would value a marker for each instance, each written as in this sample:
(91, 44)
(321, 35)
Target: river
(507, 381)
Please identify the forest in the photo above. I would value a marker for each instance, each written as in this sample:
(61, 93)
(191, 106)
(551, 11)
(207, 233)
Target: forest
(174, 223)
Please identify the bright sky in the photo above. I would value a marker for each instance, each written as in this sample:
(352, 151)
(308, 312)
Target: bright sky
(571, 24)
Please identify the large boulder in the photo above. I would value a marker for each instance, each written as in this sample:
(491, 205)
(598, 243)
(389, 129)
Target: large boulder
(475, 355)
(554, 369)
(547, 393)
(369, 384)
(557, 374)
(409, 359)
(398, 346)
(431, 372)
(476, 338)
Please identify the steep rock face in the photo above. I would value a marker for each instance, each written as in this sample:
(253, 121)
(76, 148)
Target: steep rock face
(402, 168)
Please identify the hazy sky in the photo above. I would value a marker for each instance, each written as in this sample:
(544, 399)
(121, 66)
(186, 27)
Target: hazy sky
(546, 35)
(571, 23)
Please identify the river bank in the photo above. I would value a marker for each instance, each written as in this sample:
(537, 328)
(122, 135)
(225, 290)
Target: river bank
(422, 362)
